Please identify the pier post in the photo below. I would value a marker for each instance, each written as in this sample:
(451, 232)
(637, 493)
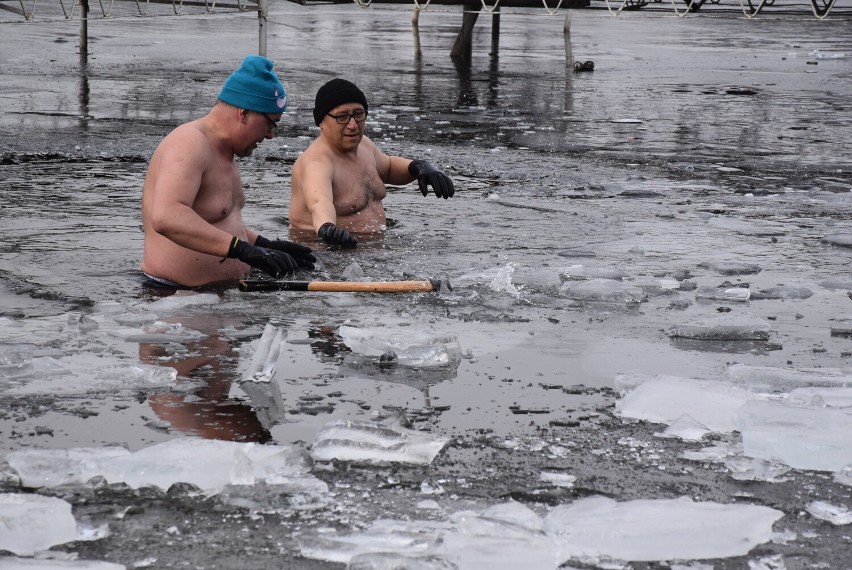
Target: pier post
(262, 13)
(566, 33)
(495, 31)
(84, 30)
(463, 47)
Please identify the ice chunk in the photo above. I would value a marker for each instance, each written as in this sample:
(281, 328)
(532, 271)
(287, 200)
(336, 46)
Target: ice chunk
(411, 348)
(392, 561)
(53, 564)
(831, 397)
(749, 469)
(841, 327)
(558, 479)
(208, 464)
(686, 428)
(734, 294)
(159, 332)
(665, 399)
(783, 292)
(54, 467)
(389, 537)
(603, 291)
(770, 379)
(366, 442)
(649, 530)
(32, 523)
(838, 239)
(835, 514)
(81, 373)
(584, 272)
(730, 267)
(723, 327)
(801, 437)
(181, 300)
(265, 360)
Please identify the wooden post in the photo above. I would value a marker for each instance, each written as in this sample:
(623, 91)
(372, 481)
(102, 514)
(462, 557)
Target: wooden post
(495, 31)
(415, 30)
(262, 13)
(566, 32)
(84, 30)
(463, 48)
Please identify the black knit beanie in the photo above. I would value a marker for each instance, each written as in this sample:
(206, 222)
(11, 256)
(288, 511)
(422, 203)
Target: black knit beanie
(336, 92)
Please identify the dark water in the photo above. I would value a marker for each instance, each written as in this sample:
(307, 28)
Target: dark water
(695, 142)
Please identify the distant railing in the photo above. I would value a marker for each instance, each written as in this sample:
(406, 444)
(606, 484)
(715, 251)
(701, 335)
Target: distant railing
(682, 8)
(29, 9)
(820, 8)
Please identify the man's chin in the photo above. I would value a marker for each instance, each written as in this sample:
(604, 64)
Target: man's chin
(246, 153)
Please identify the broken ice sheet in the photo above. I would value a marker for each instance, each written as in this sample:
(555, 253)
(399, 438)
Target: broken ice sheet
(508, 536)
(158, 332)
(648, 530)
(835, 514)
(32, 523)
(181, 300)
(54, 564)
(87, 373)
(603, 291)
(664, 399)
(686, 428)
(723, 327)
(771, 379)
(411, 347)
(264, 362)
(804, 437)
(207, 464)
(750, 469)
(375, 444)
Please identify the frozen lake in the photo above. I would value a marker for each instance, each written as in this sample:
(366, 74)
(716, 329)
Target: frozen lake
(658, 247)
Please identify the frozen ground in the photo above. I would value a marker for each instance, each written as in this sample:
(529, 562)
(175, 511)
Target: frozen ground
(681, 210)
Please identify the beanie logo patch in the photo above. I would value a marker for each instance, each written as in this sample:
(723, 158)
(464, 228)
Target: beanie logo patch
(281, 102)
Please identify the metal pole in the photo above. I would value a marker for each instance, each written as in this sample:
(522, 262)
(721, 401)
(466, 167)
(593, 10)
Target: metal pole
(262, 12)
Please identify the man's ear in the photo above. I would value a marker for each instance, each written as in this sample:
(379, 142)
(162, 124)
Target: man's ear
(243, 115)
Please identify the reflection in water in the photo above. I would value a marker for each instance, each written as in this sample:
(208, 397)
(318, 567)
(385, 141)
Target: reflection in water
(207, 411)
(84, 95)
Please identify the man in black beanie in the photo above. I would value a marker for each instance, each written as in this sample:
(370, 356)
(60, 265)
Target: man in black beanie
(338, 183)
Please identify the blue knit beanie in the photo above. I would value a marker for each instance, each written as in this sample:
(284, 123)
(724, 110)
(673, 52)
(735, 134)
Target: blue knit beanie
(255, 87)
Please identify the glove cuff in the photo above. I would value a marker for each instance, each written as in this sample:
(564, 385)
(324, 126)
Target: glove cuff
(232, 249)
(325, 228)
(415, 167)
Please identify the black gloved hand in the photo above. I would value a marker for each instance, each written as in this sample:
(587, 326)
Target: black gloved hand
(329, 233)
(275, 263)
(425, 174)
(300, 253)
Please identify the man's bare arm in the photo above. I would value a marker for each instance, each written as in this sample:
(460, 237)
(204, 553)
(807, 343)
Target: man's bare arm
(181, 164)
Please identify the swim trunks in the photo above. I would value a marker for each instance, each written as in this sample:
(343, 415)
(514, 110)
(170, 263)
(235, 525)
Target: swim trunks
(158, 282)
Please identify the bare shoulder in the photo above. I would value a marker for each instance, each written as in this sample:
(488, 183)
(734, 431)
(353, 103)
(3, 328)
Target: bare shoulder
(186, 140)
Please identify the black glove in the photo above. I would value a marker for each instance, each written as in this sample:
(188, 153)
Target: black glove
(425, 174)
(300, 253)
(275, 263)
(329, 233)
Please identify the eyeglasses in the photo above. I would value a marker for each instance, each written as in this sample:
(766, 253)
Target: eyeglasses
(272, 124)
(343, 118)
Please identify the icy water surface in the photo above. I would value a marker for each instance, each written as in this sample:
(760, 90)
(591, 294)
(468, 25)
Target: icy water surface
(683, 208)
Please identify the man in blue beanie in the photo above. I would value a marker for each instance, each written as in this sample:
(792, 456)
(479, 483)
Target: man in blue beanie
(192, 198)
(338, 183)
